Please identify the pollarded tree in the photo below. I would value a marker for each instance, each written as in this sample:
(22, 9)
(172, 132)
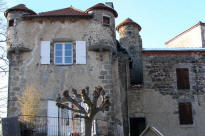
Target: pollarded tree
(92, 106)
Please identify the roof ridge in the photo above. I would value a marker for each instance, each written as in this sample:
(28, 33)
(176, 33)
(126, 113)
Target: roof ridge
(76, 9)
(187, 30)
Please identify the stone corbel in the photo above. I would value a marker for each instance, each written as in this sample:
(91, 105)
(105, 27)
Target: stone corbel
(101, 48)
(17, 51)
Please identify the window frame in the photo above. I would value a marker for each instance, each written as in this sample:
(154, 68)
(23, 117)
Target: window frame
(11, 22)
(63, 53)
(182, 120)
(106, 17)
(180, 84)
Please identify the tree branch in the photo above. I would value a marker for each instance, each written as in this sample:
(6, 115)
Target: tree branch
(68, 98)
(80, 116)
(96, 95)
(85, 97)
(63, 106)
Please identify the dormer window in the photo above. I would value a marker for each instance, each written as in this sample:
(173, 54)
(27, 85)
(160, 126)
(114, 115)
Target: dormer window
(11, 23)
(106, 20)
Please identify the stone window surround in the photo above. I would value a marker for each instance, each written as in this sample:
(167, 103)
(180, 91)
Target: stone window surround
(105, 15)
(191, 76)
(63, 55)
(11, 23)
(62, 40)
(193, 113)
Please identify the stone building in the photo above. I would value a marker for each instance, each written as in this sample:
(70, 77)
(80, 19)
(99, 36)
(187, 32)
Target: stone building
(69, 48)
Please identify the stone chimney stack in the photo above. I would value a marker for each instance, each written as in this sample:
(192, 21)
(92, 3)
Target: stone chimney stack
(109, 4)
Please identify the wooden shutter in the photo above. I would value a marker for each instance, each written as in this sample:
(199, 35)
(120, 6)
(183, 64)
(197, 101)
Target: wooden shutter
(80, 52)
(45, 52)
(52, 114)
(185, 113)
(183, 78)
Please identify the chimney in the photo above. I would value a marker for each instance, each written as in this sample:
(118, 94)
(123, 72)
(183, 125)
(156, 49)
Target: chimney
(109, 4)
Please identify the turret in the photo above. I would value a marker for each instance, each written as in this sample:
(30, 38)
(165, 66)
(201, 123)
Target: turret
(131, 40)
(14, 16)
(104, 13)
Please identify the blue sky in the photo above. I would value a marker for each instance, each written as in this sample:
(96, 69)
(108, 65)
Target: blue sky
(160, 20)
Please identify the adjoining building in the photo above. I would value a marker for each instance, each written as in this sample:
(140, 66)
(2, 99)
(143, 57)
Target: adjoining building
(69, 48)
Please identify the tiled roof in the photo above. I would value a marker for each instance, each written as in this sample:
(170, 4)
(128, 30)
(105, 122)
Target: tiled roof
(102, 6)
(128, 21)
(65, 12)
(172, 51)
(20, 7)
(198, 24)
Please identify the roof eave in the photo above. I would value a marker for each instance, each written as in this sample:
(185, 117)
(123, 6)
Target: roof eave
(52, 16)
(191, 28)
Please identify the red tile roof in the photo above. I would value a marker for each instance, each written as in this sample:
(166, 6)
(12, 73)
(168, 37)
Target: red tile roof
(128, 21)
(20, 7)
(200, 23)
(65, 12)
(102, 6)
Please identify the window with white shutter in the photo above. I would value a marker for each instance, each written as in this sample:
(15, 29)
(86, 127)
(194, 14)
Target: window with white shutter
(80, 52)
(63, 53)
(45, 52)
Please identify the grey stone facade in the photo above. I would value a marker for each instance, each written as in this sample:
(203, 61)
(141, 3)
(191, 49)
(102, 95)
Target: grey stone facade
(141, 83)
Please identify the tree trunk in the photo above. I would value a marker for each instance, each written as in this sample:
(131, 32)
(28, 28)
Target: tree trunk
(88, 127)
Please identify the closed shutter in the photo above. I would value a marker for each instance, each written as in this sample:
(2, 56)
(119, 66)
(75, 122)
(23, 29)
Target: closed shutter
(52, 114)
(185, 113)
(80, 52)
(183, 78)
(45, 52)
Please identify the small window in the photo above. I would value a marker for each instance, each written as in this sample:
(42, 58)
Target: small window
(137, 126)
(106, 20)
(63, 53)
(11, 22)
(129, 33)
(182, 78)
(185, 113)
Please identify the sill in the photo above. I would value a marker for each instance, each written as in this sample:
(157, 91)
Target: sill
(186, 125)
(63, 64)
(106, 24)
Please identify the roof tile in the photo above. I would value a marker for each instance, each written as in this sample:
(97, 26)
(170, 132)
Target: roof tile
(20, 7)
(102, 6)
(128, 21)
(65, 12)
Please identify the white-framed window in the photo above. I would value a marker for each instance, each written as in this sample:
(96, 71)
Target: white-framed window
(106, 20)
(63, 53)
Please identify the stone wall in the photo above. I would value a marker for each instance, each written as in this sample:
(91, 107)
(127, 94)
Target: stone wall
(50, 80)
(158, 100)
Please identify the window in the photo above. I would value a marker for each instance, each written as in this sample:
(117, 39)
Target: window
(63, 53)
(185, 113)
(106, 20)
(11, 22)
(182, 78)
(137, 126)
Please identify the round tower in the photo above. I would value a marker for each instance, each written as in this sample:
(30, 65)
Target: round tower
(14, 16)
(105, 14)
(131, 40)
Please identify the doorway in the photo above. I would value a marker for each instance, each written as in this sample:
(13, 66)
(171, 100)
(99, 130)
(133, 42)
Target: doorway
(137, 125)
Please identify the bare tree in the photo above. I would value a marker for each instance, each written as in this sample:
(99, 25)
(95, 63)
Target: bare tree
(3, 38)
(3, 61)
(92, 106)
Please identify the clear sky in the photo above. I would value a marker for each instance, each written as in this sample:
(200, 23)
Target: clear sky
(160, 20)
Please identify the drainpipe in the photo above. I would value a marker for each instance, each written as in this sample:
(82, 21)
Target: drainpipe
(126, 101)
